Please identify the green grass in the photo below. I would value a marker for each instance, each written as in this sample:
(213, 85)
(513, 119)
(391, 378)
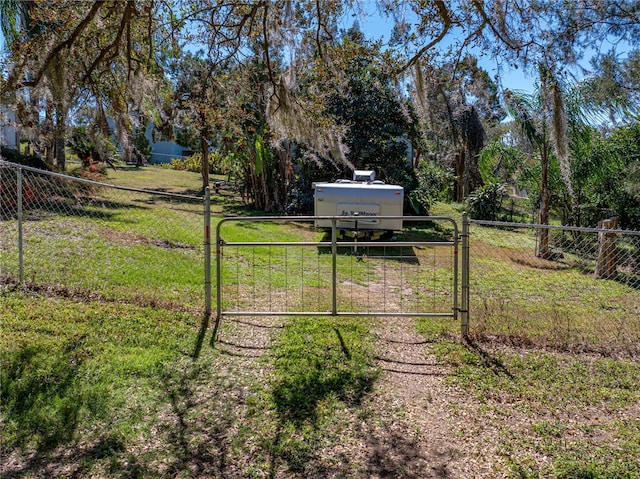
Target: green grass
(573, 397)
(68, 366)
(322, 371)
(106, 373)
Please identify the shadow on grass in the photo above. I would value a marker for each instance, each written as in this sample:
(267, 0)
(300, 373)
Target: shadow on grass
(44, 402)
(487, 360)
(87, 208)
(312, 372)
(196, 444)
(41, 396)
(319, 371)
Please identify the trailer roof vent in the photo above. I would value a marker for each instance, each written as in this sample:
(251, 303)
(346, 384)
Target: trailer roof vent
(364, 175)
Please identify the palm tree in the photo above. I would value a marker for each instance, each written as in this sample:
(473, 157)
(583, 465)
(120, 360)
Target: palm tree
(542, 117)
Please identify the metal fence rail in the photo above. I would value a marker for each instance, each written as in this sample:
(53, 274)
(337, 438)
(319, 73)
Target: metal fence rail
(82, 237)
(561, 300)
(98, 240)
(259, 273)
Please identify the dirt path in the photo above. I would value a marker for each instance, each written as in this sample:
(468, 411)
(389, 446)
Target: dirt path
(432, 412)
(413, 425)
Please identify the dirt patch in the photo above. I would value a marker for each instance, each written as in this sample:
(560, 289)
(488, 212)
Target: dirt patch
(130, 239)
(428, 424)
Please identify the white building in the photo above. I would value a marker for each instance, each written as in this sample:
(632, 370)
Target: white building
(8, 134)
(163, 151)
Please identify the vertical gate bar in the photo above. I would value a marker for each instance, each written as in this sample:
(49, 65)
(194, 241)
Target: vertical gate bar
(334, 266)
(464, 323)
(218, 275)
(207, 252)
(20, 217)
(456, 257)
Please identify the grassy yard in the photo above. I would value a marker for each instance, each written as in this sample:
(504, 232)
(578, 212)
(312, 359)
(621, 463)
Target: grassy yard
(108, 369)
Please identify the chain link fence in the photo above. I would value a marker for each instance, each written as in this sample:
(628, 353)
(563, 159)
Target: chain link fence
(80, 238)
(584, 296)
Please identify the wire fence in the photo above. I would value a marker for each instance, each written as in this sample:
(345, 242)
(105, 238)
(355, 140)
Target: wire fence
(585, 295)
(309, 271)
(78, 237)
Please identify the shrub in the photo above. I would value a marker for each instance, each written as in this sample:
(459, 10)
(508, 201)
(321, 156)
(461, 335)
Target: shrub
(219, 163)
(486, 202)
(141, 148)
(14, 156)
(90, 146)
(433, 184)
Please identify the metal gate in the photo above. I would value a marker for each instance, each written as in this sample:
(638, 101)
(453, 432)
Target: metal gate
(280, 266)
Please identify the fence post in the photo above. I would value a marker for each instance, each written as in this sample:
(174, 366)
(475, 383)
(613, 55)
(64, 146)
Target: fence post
(606, 263)
(20, 218)
(207, 252)
(334, 268)
(464, 310)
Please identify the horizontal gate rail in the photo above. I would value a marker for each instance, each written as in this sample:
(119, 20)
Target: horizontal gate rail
(413, 278)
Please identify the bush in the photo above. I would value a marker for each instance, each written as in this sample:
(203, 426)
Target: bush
(14, 156)
(90, 146)
(433, 184)
(219, 163)
(486, 202)
(141, 148)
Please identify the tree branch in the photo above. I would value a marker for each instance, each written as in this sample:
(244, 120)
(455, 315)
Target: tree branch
(443, 12)
(486, 21)
(65, 44)
(126, 17)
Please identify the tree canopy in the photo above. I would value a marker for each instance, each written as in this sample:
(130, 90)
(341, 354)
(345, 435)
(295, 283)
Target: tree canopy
(275, 82)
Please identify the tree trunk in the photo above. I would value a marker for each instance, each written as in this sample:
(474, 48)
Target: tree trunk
(204, 145)
(61, 156)
(543, 251)
(460, 174)
(606, 264)
(466, 180)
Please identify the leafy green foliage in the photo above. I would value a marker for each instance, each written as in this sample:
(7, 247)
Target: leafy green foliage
(607, 176)
(485, 203)
(219, 163)
(142, 147)
(14, 156)
(91, 146)
(500, 162)
(379, 123)
(433, 184)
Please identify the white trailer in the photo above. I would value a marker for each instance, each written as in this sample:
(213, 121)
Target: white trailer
(365, 199)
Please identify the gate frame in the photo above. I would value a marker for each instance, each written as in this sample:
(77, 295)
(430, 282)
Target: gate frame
(460, 303)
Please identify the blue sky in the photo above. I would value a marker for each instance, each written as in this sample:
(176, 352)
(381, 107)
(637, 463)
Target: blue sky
(375, 25)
